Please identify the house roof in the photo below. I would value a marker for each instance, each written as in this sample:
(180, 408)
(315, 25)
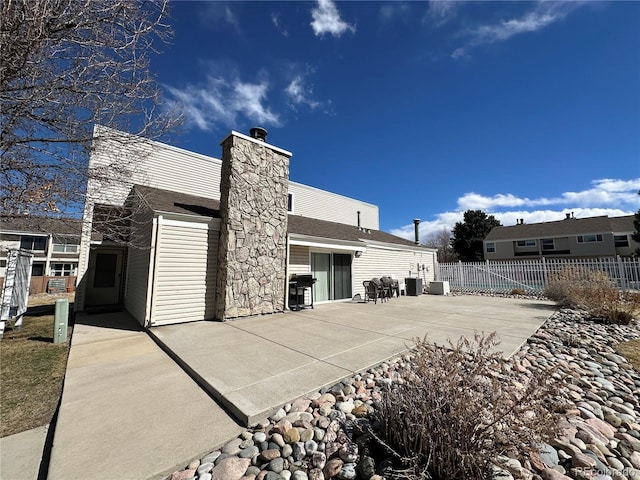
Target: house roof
(559, 228)
(174, 202)
(37, 225)
(622, 224)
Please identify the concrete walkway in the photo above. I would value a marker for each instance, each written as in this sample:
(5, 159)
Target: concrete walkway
(255, 365)
(20, 454)
(128, 411)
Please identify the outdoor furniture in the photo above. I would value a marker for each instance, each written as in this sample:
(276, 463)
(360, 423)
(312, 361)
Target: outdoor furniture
(374, 290)
(399, 285)
(388, 286)
(298, 286)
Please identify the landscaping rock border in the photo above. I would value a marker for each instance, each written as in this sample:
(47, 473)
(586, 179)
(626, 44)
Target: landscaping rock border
(324, 436)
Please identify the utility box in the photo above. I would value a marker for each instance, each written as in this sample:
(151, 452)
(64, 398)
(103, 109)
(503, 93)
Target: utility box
(414, 286)
(439, 288)
(61, 321)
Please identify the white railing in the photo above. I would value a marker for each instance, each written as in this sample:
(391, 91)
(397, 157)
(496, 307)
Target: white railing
(15, 289)
(531, 275)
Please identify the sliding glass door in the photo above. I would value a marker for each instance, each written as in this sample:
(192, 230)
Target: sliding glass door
(332, 272)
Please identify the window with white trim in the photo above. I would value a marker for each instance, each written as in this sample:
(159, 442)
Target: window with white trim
(62, 245)
(548, 244)
(490, 247)
(595, 237)
(33, 243)
(290, 202)
(526, 243)
(63, 269)
(621, 240)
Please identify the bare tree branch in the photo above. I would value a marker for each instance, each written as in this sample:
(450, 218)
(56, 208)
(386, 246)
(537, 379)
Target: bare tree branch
(65, 66)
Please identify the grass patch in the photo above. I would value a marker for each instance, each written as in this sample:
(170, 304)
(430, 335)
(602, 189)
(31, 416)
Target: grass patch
(32, 369)
(631, 351)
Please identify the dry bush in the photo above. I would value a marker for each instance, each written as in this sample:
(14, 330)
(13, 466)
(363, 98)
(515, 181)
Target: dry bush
(595, 292)
(460, 408)
(518, 291)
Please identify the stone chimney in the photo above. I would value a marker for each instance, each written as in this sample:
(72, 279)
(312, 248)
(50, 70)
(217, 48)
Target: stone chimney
(251, 278)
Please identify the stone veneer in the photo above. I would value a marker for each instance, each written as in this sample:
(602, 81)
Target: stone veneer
(251, 277)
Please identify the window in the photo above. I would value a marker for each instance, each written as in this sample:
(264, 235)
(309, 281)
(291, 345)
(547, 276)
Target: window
(548, 244)
(63, 269)
(37, 269)
(490, 247)
(526, 243)
(621, 240)
(33, 243)
(290, 202)
(590, 238)
(62, 245)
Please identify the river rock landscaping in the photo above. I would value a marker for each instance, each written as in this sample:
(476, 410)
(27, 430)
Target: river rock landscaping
(328, 435)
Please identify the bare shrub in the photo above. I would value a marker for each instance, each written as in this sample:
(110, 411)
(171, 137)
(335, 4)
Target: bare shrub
(518, 291)
(460, 408)
(593, 291)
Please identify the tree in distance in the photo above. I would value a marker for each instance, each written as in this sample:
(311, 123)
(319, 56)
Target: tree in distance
(469, 235)
(441, 241)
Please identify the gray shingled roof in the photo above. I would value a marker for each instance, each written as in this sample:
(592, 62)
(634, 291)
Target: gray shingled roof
(622, 224)
(168, 201)
(41, 225)
(174, 202)
(559, 228)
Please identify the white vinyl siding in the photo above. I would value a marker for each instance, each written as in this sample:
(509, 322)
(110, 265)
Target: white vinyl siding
(299, 260)
(315, 203)
(155, 165)
(185, 272)
(137, 276)
(380, 261)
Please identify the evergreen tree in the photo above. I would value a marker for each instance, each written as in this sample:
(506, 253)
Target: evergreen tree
(469, 234)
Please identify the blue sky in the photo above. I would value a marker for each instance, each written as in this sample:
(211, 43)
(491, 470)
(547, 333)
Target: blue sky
(427, 109)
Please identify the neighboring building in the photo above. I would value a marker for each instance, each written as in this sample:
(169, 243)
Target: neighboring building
(569, 238)
(219, 239)
(55, 243)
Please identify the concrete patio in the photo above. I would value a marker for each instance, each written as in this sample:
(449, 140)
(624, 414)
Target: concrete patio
(255, 365)
(129, 411)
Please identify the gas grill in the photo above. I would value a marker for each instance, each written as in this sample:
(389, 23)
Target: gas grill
(298, 286)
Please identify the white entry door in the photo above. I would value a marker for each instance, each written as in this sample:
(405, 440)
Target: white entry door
(104, 278)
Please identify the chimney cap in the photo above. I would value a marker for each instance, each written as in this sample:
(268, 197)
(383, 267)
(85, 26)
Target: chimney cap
(416, 221)
(258, 133)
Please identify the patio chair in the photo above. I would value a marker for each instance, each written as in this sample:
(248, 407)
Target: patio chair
(387, 286)
(373, 290)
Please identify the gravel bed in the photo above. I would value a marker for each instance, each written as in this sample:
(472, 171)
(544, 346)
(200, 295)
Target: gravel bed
(322, 436)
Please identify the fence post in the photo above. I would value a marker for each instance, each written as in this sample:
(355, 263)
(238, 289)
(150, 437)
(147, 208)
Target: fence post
(488, 276)
(623, 274)
(61, 320)
(544, 274)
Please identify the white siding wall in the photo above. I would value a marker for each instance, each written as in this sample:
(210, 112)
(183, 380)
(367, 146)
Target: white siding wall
(185, 272)
(315, 203)
(137, 271)
(378, 261)
(156, 165)
(299, 260)
(163, 166)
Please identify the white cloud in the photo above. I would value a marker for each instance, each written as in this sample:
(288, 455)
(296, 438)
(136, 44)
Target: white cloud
(275, 19)
(326, 19)
(299, 94)
(441, 11)
(543, 14)
(611, 197)
(220, 101)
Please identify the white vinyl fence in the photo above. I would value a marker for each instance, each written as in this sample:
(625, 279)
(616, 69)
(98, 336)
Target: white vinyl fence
(531, 275)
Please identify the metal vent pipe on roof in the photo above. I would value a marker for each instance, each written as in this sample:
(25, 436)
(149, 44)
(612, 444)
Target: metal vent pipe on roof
(416, 222)
(258, 133)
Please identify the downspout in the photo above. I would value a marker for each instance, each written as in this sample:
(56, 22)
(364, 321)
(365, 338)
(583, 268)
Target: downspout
(286, 275)
(153, 269)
